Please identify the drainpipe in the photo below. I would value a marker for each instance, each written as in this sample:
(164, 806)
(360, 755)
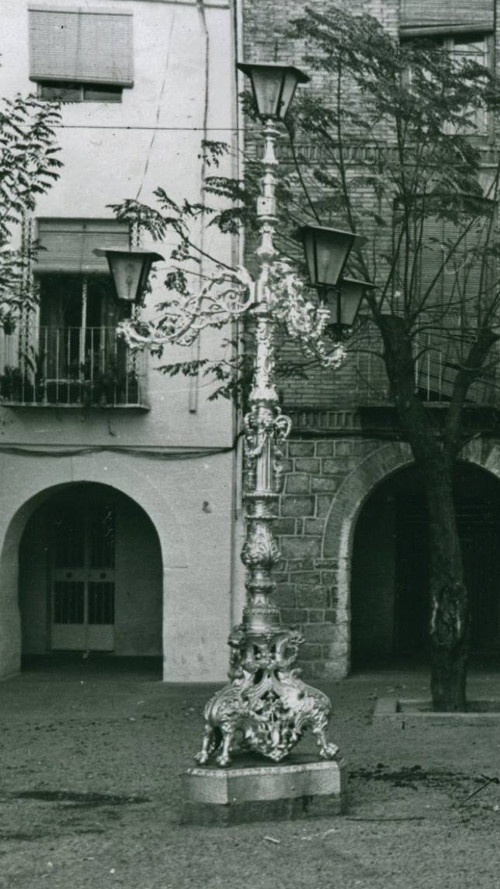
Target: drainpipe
(238, 595)
(194, 381)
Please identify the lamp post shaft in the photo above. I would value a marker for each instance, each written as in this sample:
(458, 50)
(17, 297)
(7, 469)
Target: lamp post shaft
(260, 551)
(265, 707)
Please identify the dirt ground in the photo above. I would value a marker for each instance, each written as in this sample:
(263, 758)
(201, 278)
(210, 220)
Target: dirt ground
(90, 793)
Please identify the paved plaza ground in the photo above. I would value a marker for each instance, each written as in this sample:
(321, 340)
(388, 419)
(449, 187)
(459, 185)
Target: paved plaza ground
(90, 793)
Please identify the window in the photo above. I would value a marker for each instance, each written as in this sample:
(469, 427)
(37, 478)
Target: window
(87, 49)
(464, 47)
(79, 359)
(78, 318)
(79, 92)
(463, 27)
(457, 265)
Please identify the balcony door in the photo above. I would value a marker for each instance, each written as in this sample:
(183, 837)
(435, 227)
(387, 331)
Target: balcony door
(82, 582)
(78, 318)
(78, 359)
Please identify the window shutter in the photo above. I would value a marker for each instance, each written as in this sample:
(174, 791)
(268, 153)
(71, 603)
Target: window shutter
(83, 46)
(444, 337)
(67, 245)
(432, 373)
(446, 17)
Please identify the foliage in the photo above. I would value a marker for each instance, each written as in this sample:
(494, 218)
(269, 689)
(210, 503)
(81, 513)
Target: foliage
(399, 155)
(29, 166)
(219, 294)
(395, 163)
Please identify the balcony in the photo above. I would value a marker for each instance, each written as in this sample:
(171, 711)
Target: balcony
(72, 367)
(435, 371)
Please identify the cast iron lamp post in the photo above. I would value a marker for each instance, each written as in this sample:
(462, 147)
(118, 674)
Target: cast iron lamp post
(265, 707)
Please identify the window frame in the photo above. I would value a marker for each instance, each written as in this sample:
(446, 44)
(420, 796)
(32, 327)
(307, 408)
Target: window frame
(447, 41)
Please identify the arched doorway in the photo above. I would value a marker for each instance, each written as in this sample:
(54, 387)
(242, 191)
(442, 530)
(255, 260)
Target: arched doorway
(389, 581)
(90, 575)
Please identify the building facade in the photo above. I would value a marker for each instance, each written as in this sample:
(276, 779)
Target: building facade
(117, 482)
(351, 522)
(119, 485)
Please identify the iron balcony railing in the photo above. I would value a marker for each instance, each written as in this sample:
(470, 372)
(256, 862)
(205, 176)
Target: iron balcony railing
(72, 367)
(436, 365)
(362, 381)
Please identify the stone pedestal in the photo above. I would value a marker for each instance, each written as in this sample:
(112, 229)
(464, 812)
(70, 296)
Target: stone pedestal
(251, 789)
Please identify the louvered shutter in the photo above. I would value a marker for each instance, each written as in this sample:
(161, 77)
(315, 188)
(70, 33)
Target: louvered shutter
(446, 16)
(67, 245)
(433, 373)
(81, 45)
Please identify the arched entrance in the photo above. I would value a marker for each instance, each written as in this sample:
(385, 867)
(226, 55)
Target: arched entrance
(90, 575)
(389, 580)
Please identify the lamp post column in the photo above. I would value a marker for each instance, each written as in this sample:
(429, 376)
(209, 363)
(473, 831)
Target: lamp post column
(265, 426)
(265, 707)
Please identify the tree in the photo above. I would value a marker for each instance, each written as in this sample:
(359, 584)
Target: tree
(397, 132)
(423, 202)
(29, 166)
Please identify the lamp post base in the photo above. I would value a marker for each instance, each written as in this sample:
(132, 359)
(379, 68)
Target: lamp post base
(266, 707)
(248, 791)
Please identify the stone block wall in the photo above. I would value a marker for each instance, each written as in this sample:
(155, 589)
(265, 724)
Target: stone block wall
(307, 582)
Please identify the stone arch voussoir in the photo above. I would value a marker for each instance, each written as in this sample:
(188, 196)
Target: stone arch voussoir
(339, 534)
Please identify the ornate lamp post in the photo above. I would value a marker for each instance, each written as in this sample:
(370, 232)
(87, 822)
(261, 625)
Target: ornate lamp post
(265, 707)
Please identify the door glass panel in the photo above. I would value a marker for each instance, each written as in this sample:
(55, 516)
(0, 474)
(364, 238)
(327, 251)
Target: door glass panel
(101, 603)
(102, 310)
(60, 301)
(69, 602)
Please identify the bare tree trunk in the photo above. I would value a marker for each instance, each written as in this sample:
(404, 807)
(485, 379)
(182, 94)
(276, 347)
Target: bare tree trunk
(449, 608)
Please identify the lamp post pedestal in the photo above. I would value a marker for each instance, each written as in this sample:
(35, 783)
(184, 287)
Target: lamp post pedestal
(248, 791)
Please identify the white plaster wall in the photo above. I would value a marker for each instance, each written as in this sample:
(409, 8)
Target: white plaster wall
(111, 152)
(138, 584)
(33, 584)
(191, 511)
(126, 150)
